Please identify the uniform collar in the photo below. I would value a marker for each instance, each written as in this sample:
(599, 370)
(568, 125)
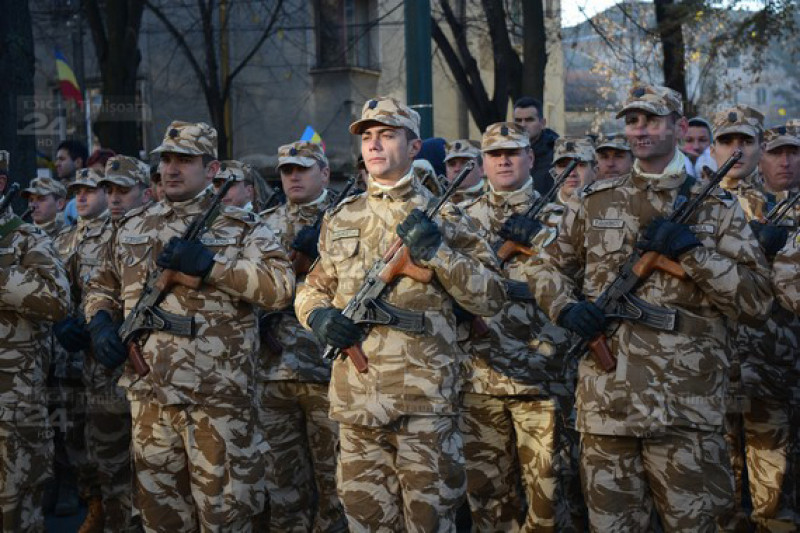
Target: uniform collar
(193, 206)
(749, 182)
(672, 177)
(402, 190)
(85, 225)
(524, 195)
(308, 209)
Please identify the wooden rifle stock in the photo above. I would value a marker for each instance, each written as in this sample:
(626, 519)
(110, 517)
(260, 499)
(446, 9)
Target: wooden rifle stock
(357, 357)
(301, 263)
(510, 248)
(170, 278)
(137, 359)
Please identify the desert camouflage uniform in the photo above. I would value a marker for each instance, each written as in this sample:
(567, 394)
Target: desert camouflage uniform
(401, 465)
(35, 293)
(654, 425)
(786, 274)
(466, 149)
(294, 407)
(198, 453)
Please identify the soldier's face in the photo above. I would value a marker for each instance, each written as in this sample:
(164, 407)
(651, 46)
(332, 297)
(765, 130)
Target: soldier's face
(45, 207)
(387, 152)
(65, 165)
(508, 169)
(303, 184)
(90, 201)
(184, 176)
(781, 168)
(612, 163)
(724, 147)
(123, 199)
(582, 175)
(696, 140)
(651, 137)
(455, 165)
(528, 118)
(239, 195)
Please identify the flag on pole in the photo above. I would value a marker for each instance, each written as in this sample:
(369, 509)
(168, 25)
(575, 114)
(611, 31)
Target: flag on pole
(66, 78)
(309, 134)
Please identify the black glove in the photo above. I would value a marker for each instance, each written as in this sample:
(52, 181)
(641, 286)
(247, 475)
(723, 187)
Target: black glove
(72, 334)
(668, 238)
(332, 327)
(583, 318)
(421, 235)
(462, 315)
(771, 238)
(520, 229)
(306, 242)
(189, 257)
(108, 347)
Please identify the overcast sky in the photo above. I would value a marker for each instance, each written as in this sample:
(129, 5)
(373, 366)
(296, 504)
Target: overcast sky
(571, 10)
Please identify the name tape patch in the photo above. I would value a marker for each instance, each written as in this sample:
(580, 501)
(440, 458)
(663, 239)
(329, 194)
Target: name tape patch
(608, 223)
(345, 234)
(135, 239)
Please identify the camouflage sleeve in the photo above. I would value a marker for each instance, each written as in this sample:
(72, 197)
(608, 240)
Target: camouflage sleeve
(466, 266)
(320, 283)
(734, 275)
(260, 274)
(35, 285)
(552, 280)
(786, 275)
(103, 290)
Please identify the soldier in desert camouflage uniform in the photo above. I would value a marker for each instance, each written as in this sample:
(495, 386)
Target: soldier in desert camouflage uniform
(303, 439)
(47, 197)
(652, 428)
(614, 157)
(567, 149)
(401, 464)
(457, 153)
(198, 454)
(34, 293)
(786, 274)
(241, 193)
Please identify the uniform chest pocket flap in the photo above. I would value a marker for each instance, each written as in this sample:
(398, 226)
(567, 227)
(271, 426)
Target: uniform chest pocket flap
(605, 236)
(343, 249)
(134, 249)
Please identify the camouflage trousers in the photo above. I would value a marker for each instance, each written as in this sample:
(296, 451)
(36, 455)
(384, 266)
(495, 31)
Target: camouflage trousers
(759, 442)
(301, 468)
(26, 455)
(511, 447)
(686, 473)
(197, 467)
(405, 476)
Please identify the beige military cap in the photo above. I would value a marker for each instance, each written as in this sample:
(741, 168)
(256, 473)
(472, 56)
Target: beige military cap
(86, 177)
(126, 171)
(579, 148)
(44, 186)
(5, 161)
(780, 136)
(386, 110)
(741, 119)
(616, 141)
(502, 135)
(231, 168)
(653, 99)
(793, 126)
(189, 138)
(303, 153)
(464, 148)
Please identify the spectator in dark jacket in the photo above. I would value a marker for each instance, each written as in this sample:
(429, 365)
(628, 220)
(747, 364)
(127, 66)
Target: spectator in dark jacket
(528, 114)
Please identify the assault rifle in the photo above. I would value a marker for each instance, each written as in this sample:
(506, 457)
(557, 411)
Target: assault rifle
(146, 316)
(618, 301)
(367, 306)
(508, 249)
(8, 197)
(780, 211)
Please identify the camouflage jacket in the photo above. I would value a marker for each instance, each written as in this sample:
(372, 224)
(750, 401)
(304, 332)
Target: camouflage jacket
(301, 359)
(508, 360)
(35, 293)
(54, 227)
(464, 196)
(218, 365)
(409, 373)
(662, 379)
(80, 247)
(786, 275)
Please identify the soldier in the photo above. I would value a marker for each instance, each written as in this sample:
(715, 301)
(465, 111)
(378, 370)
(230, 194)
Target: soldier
(197, 451)
(566, 150)
(293, 377)
(614, 157)
(652, 429)
(35, 293)
(47, 198)
(401, 464)
(457, 154)
(241, 193)
(127, 185)
(786, 277)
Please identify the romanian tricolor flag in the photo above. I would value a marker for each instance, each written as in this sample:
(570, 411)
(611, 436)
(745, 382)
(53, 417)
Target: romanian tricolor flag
(69, 85)
(309, 134)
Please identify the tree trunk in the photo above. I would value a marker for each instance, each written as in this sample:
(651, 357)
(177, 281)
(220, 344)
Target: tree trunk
(534, 52)
(670, 30)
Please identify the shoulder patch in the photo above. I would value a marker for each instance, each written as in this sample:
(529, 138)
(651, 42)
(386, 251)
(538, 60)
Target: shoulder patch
(602, 185)
(136, 211)
(242, 215)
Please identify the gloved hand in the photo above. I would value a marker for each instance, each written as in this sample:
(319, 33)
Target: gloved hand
(583, 318)
(72, 334)
(189, 257)
(520, 229)
(108, 348)
(333, 328)
(421, 235)
(306, 242)
(668, 238)
(771, 238)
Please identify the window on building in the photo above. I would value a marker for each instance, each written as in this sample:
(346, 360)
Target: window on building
(346, 33)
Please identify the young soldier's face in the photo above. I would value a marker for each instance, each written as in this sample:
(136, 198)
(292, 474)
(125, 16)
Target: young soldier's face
(612, 163)
(696, 140)
(724, 146)
(508, 169)
(239, 195)
(651, 136)
(45, 207)
(184, 176)
(123, 199)
(781, 168)
(453, 167)
(90, 201)
(387, 152)
(303, 184)
(582, 175)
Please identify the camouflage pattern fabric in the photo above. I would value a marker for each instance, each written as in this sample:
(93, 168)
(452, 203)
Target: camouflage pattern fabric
(654, 99)
(389, 111)
(54, 227)
(189, 138)
(786, 274)
(44, 186)
(741, 119)
(405, 476)
(464, 196)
